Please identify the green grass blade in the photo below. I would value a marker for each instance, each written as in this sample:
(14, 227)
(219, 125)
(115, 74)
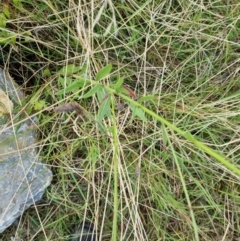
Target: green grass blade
(220, 158)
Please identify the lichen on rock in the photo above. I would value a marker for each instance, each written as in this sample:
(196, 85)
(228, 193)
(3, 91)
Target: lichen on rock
(23, 178)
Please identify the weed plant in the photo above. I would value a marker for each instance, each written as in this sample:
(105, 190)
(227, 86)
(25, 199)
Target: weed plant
(138, 106)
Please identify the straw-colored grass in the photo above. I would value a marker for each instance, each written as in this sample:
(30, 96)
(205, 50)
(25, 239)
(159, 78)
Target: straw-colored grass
(154, 157)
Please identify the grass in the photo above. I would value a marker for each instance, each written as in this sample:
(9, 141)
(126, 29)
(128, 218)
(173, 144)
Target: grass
(153, 159)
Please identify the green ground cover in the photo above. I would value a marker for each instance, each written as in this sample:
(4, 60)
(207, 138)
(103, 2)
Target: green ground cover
(138, 105)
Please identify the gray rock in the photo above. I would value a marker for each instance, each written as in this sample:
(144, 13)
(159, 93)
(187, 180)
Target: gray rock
(23, 178)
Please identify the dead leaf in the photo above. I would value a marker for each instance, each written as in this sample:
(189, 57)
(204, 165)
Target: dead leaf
(70, 107)
(6, 104)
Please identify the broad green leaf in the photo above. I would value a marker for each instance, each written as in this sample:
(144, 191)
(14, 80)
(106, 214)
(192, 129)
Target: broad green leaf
(140, 113)
(126, 91)
(145, 98)
(46, 72)
(92, 91)
(17, 4)
(104, 109)
(69, 69)
(104, 72)
(164, 135)
(4, 41)
(137, 111)
(13, 39)
(73, 87)
(64, 81)
(93, 153)
(39, 105)
(6, 10)
(8, 39)
(3, 20)
(101, 94)
(118, 84)
(83, 70)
